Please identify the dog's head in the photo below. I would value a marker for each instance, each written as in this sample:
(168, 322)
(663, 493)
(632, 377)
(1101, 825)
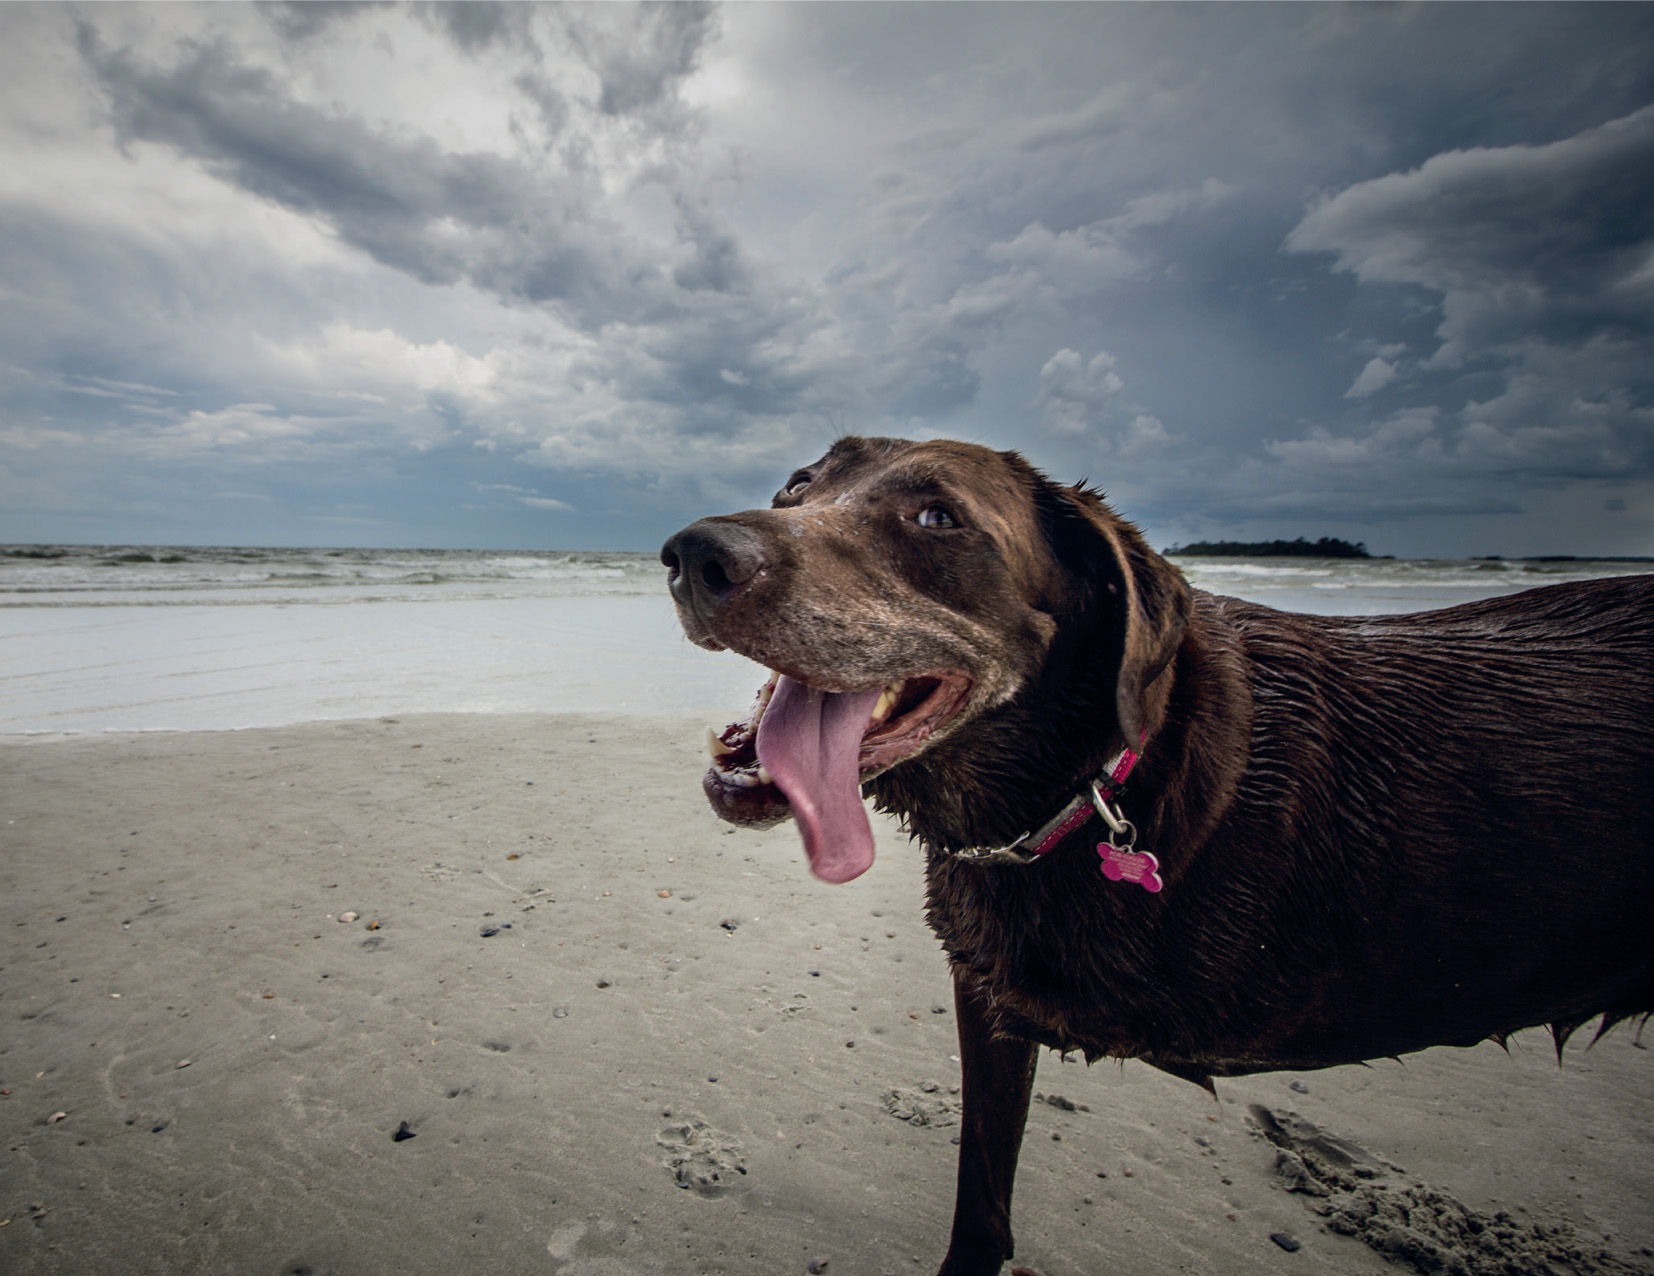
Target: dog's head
(902, 591)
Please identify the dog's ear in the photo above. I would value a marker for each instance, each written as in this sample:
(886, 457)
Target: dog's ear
(1126, 579)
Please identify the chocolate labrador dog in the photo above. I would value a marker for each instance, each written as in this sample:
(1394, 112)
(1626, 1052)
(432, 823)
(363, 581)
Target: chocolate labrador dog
(1165, 825)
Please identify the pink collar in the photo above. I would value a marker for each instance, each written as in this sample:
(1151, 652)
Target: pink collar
(1101, 797)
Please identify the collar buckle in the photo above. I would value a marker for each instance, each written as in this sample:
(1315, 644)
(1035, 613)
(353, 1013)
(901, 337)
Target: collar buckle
(1012, 853)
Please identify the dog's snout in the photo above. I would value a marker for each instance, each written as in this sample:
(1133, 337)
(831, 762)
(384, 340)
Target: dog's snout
(712, 560)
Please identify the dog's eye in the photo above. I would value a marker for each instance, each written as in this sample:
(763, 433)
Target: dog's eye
(934, 516)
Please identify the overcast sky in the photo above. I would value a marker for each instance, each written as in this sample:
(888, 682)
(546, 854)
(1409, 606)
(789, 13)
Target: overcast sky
(487, 275)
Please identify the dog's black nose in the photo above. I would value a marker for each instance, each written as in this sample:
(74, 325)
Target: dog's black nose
(712, 560)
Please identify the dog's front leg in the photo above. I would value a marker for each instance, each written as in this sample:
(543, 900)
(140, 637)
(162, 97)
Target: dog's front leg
(998, 1077)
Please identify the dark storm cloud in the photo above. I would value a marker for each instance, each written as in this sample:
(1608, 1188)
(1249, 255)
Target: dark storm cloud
(642, 61)
(534, 233)
(476, 24)
(305, 19)
(1550, 242)
(1542, 260)
(552, 105)
(1253, 267)
(529, 234)
(717, 264)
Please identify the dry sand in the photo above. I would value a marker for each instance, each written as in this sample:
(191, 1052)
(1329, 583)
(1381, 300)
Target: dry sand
(578, 989)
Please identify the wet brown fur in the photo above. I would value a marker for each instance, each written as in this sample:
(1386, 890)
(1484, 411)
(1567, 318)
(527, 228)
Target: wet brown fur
(1377, 834)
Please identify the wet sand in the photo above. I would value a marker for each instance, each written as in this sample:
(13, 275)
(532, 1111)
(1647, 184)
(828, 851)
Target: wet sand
(628, 1040)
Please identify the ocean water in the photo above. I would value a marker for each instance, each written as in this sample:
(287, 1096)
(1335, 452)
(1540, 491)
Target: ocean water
(112, 638)
(1386, 586)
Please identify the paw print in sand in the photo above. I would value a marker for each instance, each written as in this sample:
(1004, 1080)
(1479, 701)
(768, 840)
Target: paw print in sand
(700, 1157)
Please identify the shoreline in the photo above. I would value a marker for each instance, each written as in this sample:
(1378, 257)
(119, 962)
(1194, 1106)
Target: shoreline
(672, 999)
(181, 660)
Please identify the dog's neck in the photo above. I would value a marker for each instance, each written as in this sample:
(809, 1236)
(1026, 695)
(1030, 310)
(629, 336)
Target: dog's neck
(1016, 767)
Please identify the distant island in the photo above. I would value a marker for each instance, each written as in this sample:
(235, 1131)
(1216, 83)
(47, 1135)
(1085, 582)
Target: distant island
(1326, 547)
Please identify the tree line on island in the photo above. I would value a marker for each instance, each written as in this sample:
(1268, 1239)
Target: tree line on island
(1325, 547)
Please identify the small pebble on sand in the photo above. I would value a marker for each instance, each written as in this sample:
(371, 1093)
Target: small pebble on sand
(1290, 1244)
(348, 917)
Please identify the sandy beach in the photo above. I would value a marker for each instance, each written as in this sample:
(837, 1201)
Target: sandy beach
(626, 1039)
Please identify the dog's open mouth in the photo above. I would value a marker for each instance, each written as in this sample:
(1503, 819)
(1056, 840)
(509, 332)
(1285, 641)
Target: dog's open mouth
(804, 752)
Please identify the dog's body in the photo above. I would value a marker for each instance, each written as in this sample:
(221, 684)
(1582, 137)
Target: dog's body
(1375, 834)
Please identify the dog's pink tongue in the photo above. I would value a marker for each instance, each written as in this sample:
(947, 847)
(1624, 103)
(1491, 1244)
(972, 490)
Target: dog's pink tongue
(809, 741)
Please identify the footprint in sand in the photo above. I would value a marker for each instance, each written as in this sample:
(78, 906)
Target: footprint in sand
(564, 1245)
(1412, 1224)
(924, 1104)
(701, 1157)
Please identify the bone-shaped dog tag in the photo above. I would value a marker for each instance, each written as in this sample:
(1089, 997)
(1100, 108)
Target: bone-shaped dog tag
(1121, 865)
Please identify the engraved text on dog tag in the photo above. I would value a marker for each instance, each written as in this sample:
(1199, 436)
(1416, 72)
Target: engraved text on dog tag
(1121, 865)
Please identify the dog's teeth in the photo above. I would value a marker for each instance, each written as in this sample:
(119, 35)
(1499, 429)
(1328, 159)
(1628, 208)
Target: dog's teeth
(715, 745)
(887, 702)
(764, 777)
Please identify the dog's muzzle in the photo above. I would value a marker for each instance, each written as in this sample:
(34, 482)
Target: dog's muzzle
(712, 561)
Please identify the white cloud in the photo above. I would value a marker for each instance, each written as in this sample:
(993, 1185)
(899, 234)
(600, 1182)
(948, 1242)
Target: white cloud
(1074, 393)
(1089, 256)
(1374, 377)
(384, 358)
(1145, 437)
(1160, 207)
(1402, 440)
